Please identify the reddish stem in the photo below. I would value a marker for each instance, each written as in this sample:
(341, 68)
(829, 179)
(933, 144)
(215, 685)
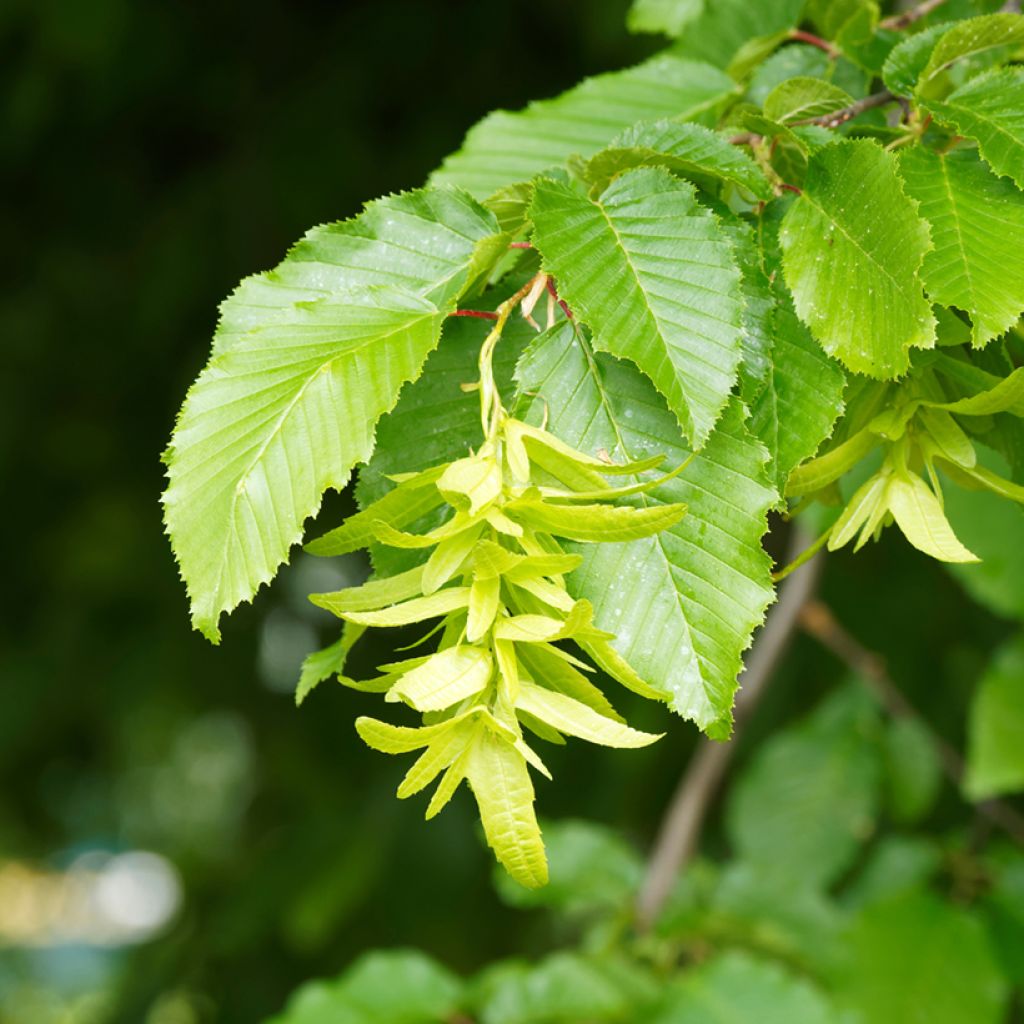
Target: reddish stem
(520, 245)
(554, 291)
(813, 40)
(791, 188)
(482, 314)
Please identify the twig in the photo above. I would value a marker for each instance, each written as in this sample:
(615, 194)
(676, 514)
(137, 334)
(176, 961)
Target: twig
(838, 117)
(809, 37)
(1010, 7)
(680, 830)
(898, 22)
(817, 620)
(482, 314)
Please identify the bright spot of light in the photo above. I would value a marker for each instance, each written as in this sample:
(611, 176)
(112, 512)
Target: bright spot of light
(101, 900)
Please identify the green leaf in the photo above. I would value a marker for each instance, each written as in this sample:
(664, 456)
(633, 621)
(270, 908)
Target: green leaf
(725, 25)
(669, 17)
(1004, 395)
(971, 38)
(801, 401)
(809, 797)
(564, 988)
(395, 986)
(324, 664)
(909, 58)
(444, 679)
(990, 108)
(852, 247)
(689, 150)
(913, 775)
(899, 965)
(800, 99)
(504, 794)
(509, 147)
(995, 748)
(919, 514)
(977, 223)
(610, 256)
(683, 603)
(311, 345)
(736, 988)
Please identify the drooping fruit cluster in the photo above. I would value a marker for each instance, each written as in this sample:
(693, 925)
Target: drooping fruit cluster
(495, 578)
(925, 423)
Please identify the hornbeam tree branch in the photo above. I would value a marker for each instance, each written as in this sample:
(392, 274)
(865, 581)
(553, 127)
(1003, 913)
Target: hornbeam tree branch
(817, 620)
(840, 117)
(681, 826)
(901, 21)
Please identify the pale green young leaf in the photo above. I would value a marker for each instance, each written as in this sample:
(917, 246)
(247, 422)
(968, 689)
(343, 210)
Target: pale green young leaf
(444, 679)
(542, 444)
(450, 782)
(867, 503)
(990, 108)
(504, 794)
(400, 739)
(949, 439)
(436, 421)
(375, 593)
(329, 337)
(684, 602)
(995, 744)
(610, 254)
(484, 601)
(474, 482)
(802, 398)
(330, 661)
(909, 58)
(918, 513)
(419, 608)
(800, 99)
(689, 150)
(598, 523)
(439, 755)
(971, 38)
(509, 147)
(852, 247)
(575, 718)
(818, 473)
(409, 500)
(668, 17)
(447, 558)
(545, 667)
(1006, 395)
(977, 222)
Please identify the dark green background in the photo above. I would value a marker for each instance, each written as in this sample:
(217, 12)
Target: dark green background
(155, 154)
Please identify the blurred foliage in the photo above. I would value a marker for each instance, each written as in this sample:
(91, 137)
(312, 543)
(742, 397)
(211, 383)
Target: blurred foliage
(156, 154)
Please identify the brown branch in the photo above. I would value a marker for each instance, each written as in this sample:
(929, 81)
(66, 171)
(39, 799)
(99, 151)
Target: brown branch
(898, 22)
(840, 117)
(681, 826)
(817, 620)
(812, 40)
